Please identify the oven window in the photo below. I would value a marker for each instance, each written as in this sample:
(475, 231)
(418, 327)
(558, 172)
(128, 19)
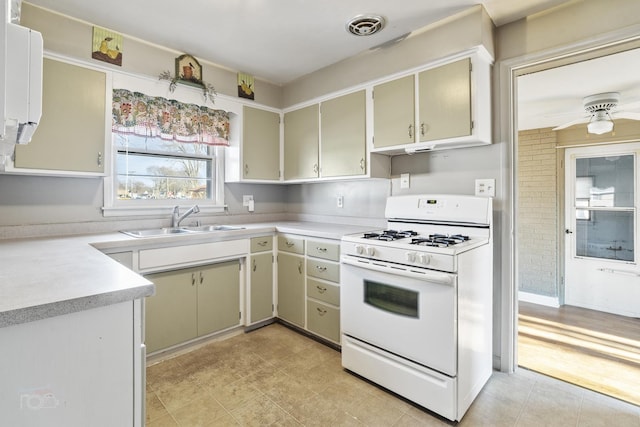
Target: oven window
(392, 299)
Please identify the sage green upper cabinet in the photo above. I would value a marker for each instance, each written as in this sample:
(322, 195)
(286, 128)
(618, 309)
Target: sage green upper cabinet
(445, 101)
(301, 137)
(71, 134)
(343, 144)
(394, 112)
(260, 144)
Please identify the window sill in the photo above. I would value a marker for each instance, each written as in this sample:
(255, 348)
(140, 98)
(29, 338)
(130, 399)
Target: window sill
(120, 211)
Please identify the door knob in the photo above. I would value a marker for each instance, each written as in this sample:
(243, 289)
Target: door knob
(567, 231)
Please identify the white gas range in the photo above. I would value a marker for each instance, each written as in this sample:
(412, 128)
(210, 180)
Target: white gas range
(416, 301)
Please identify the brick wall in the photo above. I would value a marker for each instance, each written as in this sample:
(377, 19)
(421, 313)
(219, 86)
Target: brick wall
(537, 212)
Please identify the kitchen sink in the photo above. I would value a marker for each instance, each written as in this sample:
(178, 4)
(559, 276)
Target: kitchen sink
(168, 231)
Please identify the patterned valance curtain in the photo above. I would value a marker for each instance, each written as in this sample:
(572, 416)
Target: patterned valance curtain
(140, 114)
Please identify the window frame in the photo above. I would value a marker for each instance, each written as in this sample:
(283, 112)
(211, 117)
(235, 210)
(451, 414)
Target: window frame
(182, 93)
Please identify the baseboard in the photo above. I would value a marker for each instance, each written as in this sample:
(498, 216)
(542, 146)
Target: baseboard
(538, 299)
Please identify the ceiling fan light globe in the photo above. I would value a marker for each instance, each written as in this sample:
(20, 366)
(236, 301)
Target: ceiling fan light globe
(599, 127)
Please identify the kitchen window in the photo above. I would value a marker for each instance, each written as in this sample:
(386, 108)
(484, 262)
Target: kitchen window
(164, 153)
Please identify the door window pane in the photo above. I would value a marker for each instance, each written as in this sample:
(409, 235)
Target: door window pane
(606, 235)
(605, 182)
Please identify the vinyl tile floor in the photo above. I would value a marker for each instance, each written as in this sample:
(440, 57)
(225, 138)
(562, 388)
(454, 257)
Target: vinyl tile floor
(274, 376)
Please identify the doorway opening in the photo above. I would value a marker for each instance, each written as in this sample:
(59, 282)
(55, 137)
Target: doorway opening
(576, 237)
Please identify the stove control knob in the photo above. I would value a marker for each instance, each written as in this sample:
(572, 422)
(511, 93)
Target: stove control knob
(359, 249)
(411, 256)
(371, 251)
(424, 259)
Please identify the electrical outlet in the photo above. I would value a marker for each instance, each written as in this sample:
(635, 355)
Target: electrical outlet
(405, 180)
(340, 201)
(246, 199)
(486, 187)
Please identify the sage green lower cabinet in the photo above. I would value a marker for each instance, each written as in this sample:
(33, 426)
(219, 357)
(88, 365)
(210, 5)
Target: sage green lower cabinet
(324, 320)
(261, 276)
(192, 302)
(291, 292)
(218, 297)
(170, 315)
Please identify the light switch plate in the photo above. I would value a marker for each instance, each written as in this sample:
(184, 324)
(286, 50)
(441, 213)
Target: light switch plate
(246, 199)
(486, 187)
(405, 180)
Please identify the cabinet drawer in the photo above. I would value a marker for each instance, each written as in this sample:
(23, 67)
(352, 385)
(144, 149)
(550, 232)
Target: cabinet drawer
(323, 320)
(291, 244)
(323, 270)
(323, 291)
(324, 250)
(261, 244)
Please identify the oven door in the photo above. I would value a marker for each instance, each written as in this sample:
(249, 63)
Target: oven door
(407, 312)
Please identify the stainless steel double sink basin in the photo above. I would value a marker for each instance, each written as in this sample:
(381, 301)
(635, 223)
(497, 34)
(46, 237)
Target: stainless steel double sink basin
(169, 231)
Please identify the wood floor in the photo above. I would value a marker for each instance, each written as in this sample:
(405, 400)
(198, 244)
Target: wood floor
(595, 350)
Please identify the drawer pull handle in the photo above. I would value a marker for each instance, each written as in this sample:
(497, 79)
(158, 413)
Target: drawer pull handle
(320, 268)
(289, 244)
(319, 249)
(255, 266)
(321, 289)
(201, 278)
(300, 267)
(193, 279)
(246, 169)
(410, 131)
(321, 311)
(263, 243)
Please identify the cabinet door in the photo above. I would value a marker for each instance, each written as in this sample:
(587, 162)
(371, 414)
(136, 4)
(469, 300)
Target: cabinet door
(301, 143)
(261, 295)
(170, 314)
(291, 288)
(343, 146)
(71, 133)
(445, 101)
(394, 112)
(218, 297)
(260, 144)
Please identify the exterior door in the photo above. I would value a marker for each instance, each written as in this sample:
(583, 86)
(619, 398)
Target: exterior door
(601, 261)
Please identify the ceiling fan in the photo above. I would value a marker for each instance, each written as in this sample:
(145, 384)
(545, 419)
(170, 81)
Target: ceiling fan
(599, 113)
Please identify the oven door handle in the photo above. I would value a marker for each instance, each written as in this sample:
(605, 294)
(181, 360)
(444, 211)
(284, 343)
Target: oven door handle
(427, 275)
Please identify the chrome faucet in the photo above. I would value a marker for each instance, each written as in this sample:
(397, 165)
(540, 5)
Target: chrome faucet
(176, 218)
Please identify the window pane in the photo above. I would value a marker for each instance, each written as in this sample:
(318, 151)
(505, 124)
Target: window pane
(144, 176)
(605, 181)
(606, 235)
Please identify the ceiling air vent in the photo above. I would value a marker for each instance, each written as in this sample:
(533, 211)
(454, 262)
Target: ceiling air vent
(365, 25)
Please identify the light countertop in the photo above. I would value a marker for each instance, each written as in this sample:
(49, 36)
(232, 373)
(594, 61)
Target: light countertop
(47, 277)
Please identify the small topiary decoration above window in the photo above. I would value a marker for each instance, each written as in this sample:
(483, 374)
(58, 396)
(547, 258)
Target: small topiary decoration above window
(189, 71)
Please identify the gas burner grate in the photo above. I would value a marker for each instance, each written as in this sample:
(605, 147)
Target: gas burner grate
(390, 235)
(439, 240)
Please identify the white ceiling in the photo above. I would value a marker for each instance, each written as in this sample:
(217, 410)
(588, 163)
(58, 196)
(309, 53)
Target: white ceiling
(276, 40)
(552, 97)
